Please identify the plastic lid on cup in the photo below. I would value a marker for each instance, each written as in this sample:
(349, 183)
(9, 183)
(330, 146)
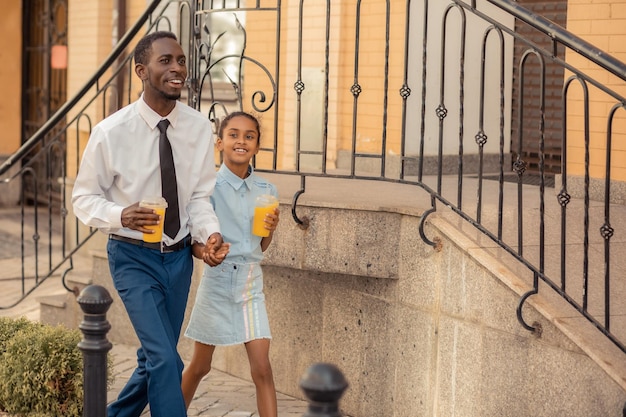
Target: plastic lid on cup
(266, 200)
(153, 201)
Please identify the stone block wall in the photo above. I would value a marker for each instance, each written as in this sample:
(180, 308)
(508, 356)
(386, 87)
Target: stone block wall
(416, 331)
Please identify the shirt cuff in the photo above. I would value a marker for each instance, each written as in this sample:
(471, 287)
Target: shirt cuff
(116, 217)
(204, 234)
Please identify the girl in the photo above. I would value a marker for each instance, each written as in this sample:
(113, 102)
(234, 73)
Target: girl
(230, 304)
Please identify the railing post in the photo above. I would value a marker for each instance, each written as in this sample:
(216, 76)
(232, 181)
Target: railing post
(323, 384)
(94, 300)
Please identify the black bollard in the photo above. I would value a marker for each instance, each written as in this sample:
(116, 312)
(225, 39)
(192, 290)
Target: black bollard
(323, 384)
(94, 300)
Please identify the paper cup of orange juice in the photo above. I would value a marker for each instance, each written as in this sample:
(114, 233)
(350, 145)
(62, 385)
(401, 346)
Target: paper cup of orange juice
(264, 204)
(158, 204)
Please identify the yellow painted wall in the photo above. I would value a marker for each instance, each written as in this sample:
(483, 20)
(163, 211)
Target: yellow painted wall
(368, 129)
(261, 45)
(90, 42)
(371, 60)
(602, 23)
(134, 9)
(11, 71)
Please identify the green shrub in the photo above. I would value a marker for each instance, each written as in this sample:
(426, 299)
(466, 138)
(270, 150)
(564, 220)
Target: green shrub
(41, 369)
(9, 327)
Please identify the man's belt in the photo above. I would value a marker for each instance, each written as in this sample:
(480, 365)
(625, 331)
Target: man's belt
(160, 246)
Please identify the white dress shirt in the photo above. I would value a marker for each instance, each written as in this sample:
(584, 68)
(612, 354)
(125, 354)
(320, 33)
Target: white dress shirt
(120, 166)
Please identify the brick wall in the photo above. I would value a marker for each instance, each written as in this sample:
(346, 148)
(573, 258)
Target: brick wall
(603, 24)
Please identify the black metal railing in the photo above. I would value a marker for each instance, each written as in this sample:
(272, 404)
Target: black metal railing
(44, 241)
(429, 93)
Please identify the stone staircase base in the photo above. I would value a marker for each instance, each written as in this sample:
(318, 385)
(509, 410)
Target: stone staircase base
(61, 308)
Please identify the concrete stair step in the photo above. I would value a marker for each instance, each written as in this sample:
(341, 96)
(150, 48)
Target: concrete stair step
(61, 307)
(29, 307)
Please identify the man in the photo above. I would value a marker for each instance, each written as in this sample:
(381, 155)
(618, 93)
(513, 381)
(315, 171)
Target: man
(121, 165)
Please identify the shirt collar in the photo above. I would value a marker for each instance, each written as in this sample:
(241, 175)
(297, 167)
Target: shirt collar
(235, 181)
(152, 118)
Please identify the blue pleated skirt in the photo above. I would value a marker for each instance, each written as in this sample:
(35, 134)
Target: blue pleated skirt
(230, 306)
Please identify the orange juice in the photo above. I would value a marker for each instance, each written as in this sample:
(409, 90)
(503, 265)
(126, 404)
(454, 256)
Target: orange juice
(158, 204)
(264, 204)
(158, 228)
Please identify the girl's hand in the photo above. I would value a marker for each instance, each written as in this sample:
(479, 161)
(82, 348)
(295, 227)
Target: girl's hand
(271, 220)
(215, 250)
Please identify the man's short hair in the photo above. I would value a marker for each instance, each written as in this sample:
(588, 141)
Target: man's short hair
(144, 46)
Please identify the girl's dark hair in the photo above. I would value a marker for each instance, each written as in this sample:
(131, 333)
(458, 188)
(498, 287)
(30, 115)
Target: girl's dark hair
(232, 115)
(144, 46)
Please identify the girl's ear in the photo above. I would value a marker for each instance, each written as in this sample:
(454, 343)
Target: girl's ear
(219, 144)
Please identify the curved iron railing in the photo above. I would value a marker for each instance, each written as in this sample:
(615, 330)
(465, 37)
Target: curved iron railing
(46, 147)
(449, 57)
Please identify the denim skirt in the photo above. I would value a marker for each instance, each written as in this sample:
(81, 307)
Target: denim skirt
(230, 306)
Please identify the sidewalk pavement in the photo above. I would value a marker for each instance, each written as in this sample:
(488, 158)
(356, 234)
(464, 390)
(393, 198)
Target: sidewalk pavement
(218, 395)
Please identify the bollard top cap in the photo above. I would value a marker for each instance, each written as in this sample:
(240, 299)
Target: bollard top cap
(94, 299)
(323, 382)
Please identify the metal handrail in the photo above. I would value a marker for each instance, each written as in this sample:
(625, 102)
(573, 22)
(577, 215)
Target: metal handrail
(60, 114)
(51, 258)
(563, 36)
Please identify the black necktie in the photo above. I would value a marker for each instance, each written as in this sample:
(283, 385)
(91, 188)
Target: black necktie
(168, 181)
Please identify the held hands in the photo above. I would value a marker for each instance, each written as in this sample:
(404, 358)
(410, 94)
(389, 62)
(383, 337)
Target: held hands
(215, 250)
(136, 218)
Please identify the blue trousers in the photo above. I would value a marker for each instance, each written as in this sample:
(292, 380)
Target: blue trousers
(154, 287)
